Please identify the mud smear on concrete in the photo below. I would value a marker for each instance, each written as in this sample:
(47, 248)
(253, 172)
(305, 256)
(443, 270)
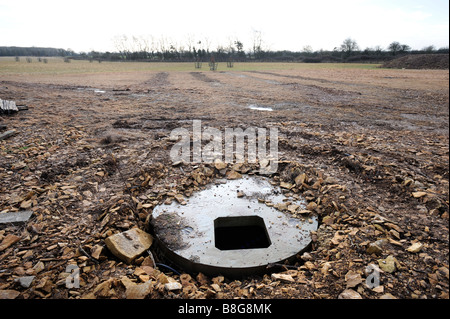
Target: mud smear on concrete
(169, 227)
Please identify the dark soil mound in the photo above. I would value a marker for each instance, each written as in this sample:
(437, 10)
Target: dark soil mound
(420, 61)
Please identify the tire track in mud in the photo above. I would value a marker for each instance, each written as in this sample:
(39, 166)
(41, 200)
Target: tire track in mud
(160, 79)
(307, 93)
(299, 77)
(203, 77)
(321, 90)
(348, 106)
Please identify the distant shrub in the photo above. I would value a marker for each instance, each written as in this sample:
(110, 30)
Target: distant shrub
(313, 60)
(363, 57)
(331, 58)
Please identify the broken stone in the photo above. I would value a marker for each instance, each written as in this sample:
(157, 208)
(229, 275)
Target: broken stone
(216, 287)
(180, 199)
(338, 236)
(395, 233)
(39, 267)
(282, 277)
(419, 194)
(233, 175)
(379, 289)
(136, 291)
(170, 286)
(7, 134)
(395, 227)
(219, 165)
(306, 256)
(103, 289)
(202, 279)
(389, 264)
(349, 294)
(378, 219)
(45, 284)
(310, 265)
(18, 217)
(293, 208)
(286, 185)
(325, 268)
(162, 279)
(353, 279)
(327, 220)
(26, 281)
(129, 245)
(330, 180)
(96, 251)
(9, 294)
(147, 262)
(373, 248)
(300, 179)
(8, 241)
(415, 248)
(387, 296)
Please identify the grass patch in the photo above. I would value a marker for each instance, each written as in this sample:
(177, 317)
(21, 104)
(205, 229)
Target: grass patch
(56, 66)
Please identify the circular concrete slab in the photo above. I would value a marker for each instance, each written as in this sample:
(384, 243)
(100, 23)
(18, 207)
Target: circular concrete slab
(229, 228)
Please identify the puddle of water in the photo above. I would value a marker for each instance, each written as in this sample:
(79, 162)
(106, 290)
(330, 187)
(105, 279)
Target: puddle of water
(272, 82)
(91, 89)
(260, 108)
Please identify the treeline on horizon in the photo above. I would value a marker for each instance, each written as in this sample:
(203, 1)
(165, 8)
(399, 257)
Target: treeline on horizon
(349, 51)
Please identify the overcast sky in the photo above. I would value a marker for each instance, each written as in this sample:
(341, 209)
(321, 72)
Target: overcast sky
(85, 25)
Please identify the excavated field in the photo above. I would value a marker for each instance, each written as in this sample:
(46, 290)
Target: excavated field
(91, 158)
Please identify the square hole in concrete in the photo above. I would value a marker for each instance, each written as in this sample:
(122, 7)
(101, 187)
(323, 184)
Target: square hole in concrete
(243, 232)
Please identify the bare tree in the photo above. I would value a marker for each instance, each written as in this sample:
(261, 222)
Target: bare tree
(257, 44)
(120, 42)
(190, 42)
(230, 49)
(206, 44)
(394, 47)
(349, 46)
(163, 47)
(405, 48)
(378, 49)
(307, 49)
(429, 49)
(239, 46)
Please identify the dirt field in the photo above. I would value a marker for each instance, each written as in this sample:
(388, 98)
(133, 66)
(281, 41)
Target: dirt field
(91, 158)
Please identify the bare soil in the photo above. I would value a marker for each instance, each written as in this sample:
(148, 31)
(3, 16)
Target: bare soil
(91, 158)
(420, 61)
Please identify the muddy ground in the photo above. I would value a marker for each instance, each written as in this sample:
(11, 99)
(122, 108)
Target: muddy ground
(91, 158)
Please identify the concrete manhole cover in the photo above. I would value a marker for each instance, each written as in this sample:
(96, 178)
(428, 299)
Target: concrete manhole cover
(232, 228)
